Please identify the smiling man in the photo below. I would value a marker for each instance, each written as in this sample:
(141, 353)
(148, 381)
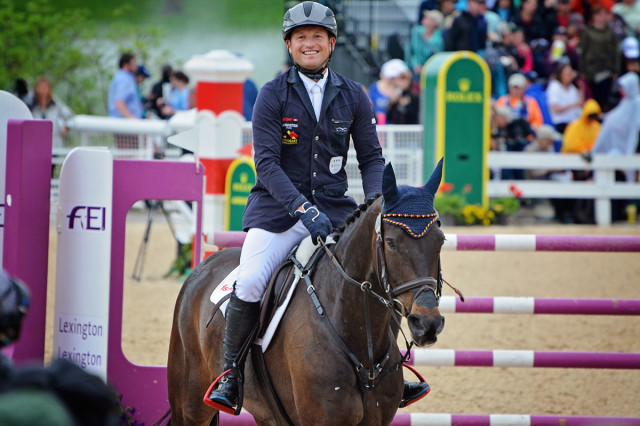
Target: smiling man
(303, 123)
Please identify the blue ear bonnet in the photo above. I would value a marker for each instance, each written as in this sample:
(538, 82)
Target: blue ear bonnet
(408, 207)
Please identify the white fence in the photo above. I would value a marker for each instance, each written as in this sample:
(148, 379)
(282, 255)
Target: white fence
(402, 146)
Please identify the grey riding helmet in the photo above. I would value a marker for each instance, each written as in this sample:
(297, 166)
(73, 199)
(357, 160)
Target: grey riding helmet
(309, 13)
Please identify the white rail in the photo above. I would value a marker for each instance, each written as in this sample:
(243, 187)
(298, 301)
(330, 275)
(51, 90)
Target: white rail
(402, 146)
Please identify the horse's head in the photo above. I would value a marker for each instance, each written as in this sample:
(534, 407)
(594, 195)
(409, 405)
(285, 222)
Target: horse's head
(412, 240)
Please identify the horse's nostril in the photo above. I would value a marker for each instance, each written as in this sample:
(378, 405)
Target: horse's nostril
(415, 324)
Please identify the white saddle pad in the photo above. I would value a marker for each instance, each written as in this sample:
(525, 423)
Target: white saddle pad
(303, 254)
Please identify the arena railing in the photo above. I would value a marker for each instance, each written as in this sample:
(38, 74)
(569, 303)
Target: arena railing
(402, 146)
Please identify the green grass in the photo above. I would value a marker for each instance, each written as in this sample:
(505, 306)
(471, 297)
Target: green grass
(210, 14)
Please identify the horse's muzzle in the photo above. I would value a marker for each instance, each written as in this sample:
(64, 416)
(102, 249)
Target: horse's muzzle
(425, 328)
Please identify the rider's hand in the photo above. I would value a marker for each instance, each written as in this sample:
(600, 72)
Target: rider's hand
(315, 221)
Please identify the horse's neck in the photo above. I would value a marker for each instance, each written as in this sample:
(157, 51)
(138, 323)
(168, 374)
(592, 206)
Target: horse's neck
(356, 252)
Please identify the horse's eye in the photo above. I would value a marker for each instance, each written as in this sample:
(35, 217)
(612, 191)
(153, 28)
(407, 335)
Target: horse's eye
(390, 243)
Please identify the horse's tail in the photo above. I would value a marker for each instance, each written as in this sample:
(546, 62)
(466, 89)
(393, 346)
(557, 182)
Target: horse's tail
(166, 416)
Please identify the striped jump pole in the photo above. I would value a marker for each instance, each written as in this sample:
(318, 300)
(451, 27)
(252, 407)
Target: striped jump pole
(531, 305)
(523, 358)
(442, 419)
(433, 419)
(530, 242)
(503, 242)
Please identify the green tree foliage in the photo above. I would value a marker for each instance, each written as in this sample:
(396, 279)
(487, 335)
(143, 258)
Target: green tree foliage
(79, 55)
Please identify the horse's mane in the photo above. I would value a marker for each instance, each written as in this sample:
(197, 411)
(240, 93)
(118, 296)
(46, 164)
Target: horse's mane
(353, 217)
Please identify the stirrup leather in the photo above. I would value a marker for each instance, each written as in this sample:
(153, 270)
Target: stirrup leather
(407, 402)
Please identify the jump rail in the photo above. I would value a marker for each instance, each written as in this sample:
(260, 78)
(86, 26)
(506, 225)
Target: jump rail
(441, 419)
(531, 305)
(523, 358)
(504, 242)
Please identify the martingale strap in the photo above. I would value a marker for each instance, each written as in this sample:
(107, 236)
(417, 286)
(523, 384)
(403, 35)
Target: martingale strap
(368, 377)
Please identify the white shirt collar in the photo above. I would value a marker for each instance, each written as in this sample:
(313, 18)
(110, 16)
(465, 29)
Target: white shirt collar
(308, 83)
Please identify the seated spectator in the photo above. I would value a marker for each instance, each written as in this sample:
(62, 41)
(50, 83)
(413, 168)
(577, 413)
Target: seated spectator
(563, 13)
(426, 40)
(522, 106)
(536, 20)
(505, 9)
(385, 89)
(630, 54)
(405, 108)
(469, 30)
(560, 51)
(599, 58)
(179, 97)
(450, 13)
(509, 133)
(574, 30)
(564, 98)
(581, 134)
(586, 8)
(629, 10)
(519, 50)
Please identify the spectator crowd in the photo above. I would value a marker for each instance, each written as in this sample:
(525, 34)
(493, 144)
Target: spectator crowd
(565, 65)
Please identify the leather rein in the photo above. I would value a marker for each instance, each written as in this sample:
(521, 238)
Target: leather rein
(370, 377)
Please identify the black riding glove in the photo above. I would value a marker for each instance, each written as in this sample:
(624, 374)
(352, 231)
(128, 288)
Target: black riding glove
(315, 221)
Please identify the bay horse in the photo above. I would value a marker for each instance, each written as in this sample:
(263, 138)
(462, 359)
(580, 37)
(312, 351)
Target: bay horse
(340, 364)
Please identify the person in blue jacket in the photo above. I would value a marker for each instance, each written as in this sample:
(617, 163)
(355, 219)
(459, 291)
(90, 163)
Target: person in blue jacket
(303, 121)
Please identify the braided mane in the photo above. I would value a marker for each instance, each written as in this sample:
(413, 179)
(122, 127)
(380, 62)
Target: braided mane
(354, 216)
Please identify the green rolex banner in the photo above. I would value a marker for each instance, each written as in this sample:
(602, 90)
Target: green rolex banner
(456, 115)
(241, 176)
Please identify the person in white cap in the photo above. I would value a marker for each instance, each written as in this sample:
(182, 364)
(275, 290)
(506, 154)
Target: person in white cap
(521, 105)
(384, 90)
(630, 55)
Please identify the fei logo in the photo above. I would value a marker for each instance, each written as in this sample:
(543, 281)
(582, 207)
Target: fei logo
(86, 218)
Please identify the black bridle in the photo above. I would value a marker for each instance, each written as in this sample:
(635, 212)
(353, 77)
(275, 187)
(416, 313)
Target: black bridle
(370, 377)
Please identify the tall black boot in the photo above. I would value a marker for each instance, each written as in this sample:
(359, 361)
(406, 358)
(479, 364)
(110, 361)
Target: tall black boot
(241, 318)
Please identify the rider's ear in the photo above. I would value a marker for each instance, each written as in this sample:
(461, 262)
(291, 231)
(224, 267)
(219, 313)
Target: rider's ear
(389, 186)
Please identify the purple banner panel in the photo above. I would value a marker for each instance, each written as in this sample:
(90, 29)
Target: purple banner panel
(595, 243)
(587, 306)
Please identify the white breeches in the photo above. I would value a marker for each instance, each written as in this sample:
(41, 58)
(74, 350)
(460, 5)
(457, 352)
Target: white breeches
(261, 254)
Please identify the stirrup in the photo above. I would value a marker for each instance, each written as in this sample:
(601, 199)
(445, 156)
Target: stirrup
(221, 407)
(419, 396)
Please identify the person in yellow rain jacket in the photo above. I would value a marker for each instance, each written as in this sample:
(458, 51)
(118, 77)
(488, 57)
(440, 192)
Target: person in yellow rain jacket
(581, 134)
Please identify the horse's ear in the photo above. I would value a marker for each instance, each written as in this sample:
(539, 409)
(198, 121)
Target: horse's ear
(433, 183)
(389, 186)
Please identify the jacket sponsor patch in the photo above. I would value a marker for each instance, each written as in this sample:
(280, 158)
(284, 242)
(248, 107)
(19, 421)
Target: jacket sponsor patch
(335, 164)
(290, 138)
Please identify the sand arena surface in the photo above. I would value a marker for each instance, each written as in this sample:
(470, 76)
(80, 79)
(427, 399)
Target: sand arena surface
(149, 304)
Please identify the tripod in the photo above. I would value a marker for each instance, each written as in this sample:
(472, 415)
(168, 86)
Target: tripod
(142, 252)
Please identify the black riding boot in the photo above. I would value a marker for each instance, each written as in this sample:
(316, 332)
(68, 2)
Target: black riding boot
(241, 317)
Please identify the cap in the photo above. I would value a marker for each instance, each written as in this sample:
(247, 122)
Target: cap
(393, 68)
(630, 48)
(548, 132)
(505, 111)
(142, 70)
(517, 80)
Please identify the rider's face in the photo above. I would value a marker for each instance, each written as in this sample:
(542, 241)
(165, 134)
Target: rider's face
(310, 46)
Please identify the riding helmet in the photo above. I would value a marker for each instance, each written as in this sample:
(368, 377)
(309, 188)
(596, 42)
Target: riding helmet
(309, 13)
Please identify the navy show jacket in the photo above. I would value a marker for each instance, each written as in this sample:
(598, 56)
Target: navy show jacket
(299, 159)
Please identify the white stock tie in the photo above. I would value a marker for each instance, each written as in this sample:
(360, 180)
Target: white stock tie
(316, 100)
